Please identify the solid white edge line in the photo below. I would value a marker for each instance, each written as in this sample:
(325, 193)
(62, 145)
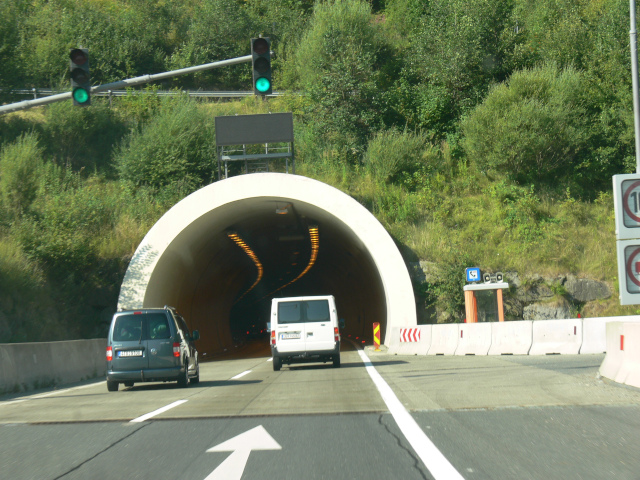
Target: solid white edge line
(157, 412)
(240, 375)
(432, 458)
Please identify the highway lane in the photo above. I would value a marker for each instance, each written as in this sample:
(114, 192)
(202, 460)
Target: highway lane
(491, 417)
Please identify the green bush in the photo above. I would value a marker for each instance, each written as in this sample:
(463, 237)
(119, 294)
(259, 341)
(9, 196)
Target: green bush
(20, 167)
(82, 138)
(177, 147)
(532, 129)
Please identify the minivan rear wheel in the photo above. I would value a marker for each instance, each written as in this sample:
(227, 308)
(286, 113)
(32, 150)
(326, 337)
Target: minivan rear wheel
(112, 386)
(277, 363)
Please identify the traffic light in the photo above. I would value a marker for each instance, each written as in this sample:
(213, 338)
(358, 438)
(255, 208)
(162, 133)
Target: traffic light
(80, 80)
(261, 60)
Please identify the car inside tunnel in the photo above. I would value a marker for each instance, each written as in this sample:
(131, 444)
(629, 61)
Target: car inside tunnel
(220, 261)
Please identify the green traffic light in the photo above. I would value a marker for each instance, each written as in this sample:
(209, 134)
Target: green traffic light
(80, 95)
(263, 84)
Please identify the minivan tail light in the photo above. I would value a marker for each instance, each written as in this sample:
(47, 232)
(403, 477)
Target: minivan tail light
(109, 354)
(176, 349)
(273, 337)
(336, 334)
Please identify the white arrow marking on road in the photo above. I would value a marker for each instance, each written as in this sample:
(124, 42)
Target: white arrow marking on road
(241, 446)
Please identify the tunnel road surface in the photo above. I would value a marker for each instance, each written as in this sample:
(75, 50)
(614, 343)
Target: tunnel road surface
(489, 417)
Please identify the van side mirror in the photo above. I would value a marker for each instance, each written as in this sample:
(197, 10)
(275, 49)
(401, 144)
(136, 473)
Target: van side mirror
(195, 335)
(341, 323)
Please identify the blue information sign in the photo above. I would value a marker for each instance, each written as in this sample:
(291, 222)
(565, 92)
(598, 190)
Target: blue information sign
(473, 274)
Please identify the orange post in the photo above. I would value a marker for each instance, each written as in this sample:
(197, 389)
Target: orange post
(376, 336)
(500, 305)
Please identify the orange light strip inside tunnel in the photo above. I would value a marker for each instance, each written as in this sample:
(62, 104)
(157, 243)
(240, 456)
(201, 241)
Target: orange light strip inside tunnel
(250, 253)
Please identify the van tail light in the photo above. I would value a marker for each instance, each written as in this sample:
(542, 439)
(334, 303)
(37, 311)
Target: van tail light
(336, 334)
(273, 337)
(176, 349)
(109, 354)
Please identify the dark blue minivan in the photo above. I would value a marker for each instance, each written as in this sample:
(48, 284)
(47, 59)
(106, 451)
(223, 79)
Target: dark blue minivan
(151, 345)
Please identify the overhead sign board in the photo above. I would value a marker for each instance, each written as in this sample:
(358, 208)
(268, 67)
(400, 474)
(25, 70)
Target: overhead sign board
(629, 271)
(626, 201)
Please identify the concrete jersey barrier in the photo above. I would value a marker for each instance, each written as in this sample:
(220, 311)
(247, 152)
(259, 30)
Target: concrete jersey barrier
(444, 339)
(511, 338)
(622, 361)
(556, 337)
(474, 339)
(594, 332)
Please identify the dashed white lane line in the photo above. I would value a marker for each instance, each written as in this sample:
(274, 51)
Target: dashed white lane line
(157, 412)
(240, 375)
(432, 458)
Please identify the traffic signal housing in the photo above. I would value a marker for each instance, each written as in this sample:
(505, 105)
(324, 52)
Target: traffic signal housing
(80, 79)
(261, 61)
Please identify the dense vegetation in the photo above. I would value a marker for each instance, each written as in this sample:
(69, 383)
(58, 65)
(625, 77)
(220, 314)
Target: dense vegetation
(480, 132)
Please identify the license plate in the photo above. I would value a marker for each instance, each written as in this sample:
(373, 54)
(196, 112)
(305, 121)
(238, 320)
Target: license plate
(286, 336)
(130, 353)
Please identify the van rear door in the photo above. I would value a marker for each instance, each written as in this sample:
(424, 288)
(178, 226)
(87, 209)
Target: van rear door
(128, 343)
(290, 327)
(160, 341)
(319, 333)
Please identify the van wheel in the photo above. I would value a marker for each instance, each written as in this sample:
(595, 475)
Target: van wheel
(112, 386)
(183, 379)
(277, 363)
(336, 361)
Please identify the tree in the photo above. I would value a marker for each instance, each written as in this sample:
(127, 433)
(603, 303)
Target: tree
(339, 63)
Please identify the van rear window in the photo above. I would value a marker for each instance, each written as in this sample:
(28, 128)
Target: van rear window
(303, 311)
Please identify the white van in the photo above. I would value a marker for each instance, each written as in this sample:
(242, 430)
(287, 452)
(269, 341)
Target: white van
(304, 329)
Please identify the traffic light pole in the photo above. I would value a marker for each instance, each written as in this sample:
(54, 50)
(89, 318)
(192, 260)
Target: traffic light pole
(14, 107)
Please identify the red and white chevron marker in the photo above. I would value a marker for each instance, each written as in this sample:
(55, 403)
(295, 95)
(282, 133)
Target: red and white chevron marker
(409, 334)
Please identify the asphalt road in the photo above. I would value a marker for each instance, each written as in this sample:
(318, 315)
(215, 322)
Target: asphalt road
(503, 417)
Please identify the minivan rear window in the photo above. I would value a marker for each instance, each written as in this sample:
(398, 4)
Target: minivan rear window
(158, 326)
(127, 328)
(138, 327)
(303, 311)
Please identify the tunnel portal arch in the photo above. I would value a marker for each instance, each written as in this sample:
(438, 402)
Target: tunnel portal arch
(188, 260)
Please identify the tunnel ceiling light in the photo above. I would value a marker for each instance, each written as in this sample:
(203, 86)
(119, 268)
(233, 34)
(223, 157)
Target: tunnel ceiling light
(284, 210)
(254, 258)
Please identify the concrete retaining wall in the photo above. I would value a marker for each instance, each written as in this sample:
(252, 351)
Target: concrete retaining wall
(27, 366)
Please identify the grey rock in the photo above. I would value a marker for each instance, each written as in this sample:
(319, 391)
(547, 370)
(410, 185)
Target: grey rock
(586, 290)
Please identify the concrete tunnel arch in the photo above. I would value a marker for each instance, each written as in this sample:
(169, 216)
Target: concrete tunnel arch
(187, 259)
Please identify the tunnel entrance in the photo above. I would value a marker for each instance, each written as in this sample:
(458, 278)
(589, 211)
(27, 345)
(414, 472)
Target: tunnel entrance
(221, 254)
